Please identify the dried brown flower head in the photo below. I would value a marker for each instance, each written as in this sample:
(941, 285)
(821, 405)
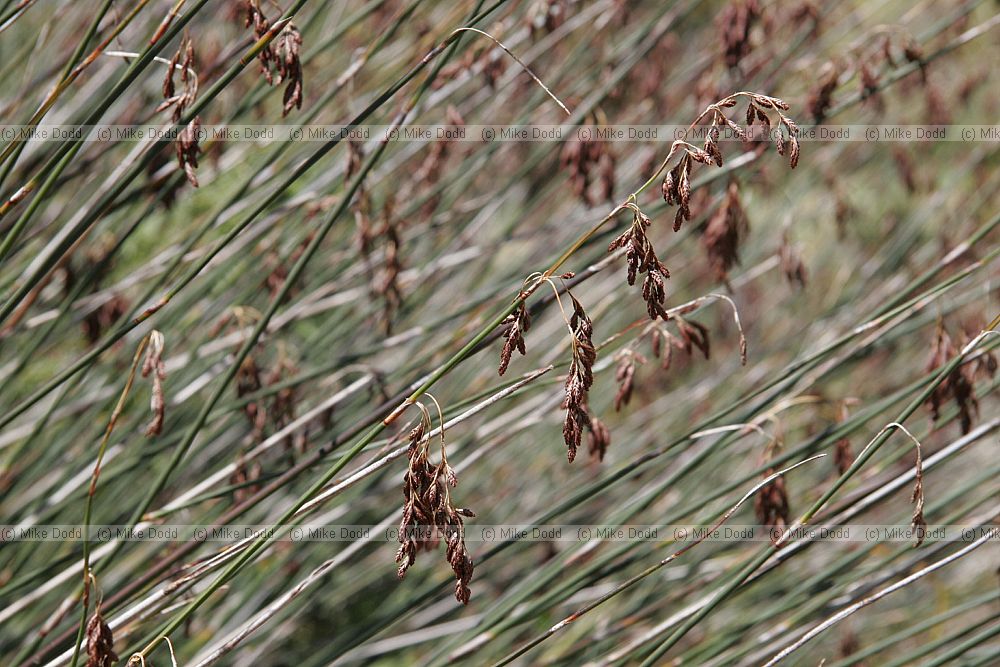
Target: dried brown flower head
(515, 326)
(771, 503)
(598, 439)
(153, 365)
(843, 456)
(959, 385)
(186, 143)
(724, 232)
(790, 262)
(628, 359)
(676, 187)
(584, 158)
(101, 318)
(100, 642)
(735, 23)
(183, 60)
(289, 67)
(918, 523)
(821, 95)
(280, 59)
(579, 379)
(428, 512)
(248, 382)
(868, 80)
(278, 274)
(387, 285)
(640, 258)
(243, 477)
(188, 149)
(692, 335)
(546, 16)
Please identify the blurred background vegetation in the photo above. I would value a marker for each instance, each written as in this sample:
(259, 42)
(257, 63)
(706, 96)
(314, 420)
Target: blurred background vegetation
(304, 289)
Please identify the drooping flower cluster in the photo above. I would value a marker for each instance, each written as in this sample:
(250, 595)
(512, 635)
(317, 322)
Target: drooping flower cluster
(153, 365)
(429, 514)
(640, 257)
(186, 144)
(515, 326)
(959, 385)
(579, 379)
(724, 232)
(584, 159)
(771, 503)
(282, 55)
(100, 642)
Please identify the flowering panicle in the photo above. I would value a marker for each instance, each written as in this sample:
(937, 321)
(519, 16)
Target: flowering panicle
(692, 335)
(628, 360)
(186, 144)
(579, 379)
(598, 439)
(735, 23)
(676, 186)
(428, 512)
(790, 262)
(821, 95)
(100, 642)
(282, 55)
(641, 258)
(153, 365)
(959, 385)
(583, 158)
(724, 232)
(515, 326)
(771, 503)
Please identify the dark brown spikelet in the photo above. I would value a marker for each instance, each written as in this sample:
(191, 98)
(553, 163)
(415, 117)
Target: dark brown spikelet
(958, 386)
(791, 263)
(387, 284)
(585, 159)
(248, 382)
(287, 47)
(693, 335)
(101, 318)
(735, 23)
(868, 81)
(771, 503)
(186, 144)
(821, 96)
(843, 457)
(724, 232)
(182, 60)
(579, 379)
(256, 21)
(515, 326)
(628, 359)
(280, 59)
(188, 149)
(100, 642)
(640, 257)
(917, 523)
(153, 365)
(598, 439)
(429, 515)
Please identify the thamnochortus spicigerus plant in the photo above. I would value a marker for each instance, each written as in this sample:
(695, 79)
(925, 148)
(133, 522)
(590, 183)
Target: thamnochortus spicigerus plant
(312, 292)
